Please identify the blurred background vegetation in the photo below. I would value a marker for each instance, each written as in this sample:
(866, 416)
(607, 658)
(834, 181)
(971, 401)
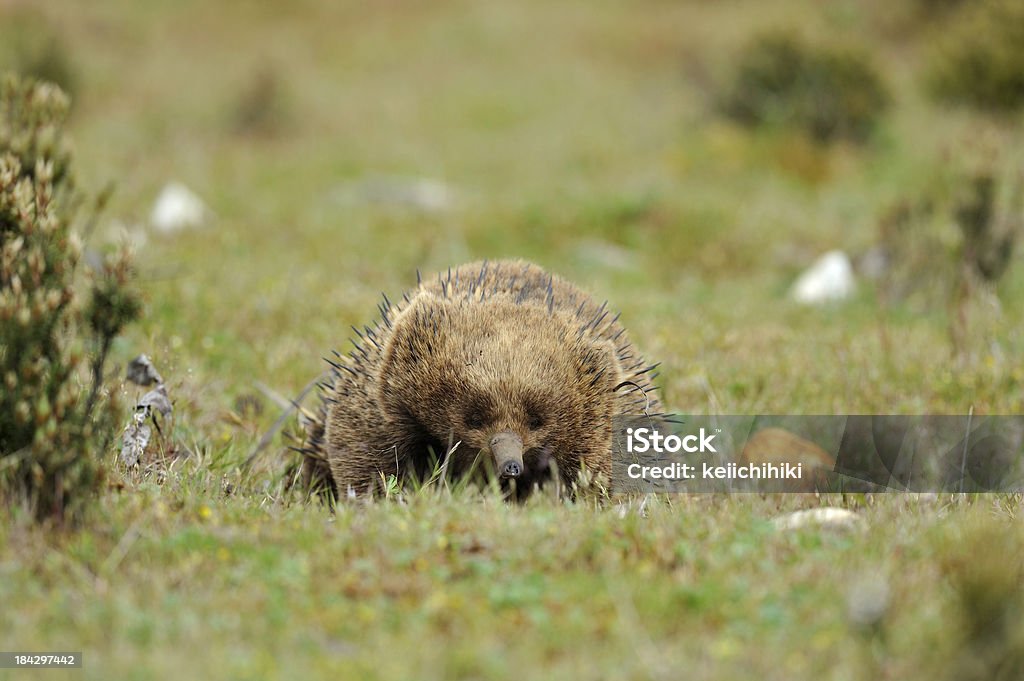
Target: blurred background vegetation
(685, 160)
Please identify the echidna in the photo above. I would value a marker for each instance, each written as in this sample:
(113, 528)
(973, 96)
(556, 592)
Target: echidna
(499, 364)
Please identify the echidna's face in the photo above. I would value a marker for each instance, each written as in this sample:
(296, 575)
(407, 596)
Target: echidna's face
(513, 382)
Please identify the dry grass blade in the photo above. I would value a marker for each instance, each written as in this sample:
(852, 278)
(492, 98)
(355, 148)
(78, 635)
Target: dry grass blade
(288, 406)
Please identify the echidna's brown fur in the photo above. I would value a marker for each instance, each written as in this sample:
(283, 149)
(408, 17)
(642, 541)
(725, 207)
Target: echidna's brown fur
(484, 348)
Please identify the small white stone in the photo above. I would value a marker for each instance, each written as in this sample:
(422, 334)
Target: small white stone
(422, 194)
(829, 518)
(829, 278)
(867, 600)
(177, 208)
(430, 195)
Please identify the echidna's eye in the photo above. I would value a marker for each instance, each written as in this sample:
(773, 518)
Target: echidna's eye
(534, 420)
(478, 411)
(475, 419)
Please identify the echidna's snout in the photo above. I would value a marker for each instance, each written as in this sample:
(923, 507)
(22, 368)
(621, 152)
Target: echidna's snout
(507, 449)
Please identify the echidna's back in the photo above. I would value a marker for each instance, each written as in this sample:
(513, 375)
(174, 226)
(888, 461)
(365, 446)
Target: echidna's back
(525, 283)
(517, 280)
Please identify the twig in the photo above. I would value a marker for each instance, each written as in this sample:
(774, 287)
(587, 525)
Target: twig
(967, 439)
(288, 408)
(97, 374)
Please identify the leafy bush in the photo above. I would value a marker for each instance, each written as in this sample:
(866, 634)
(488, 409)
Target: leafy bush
(951, 245)
(55, 418)
(829, 93)
(990, 231)
(980, 58)
(967, 224)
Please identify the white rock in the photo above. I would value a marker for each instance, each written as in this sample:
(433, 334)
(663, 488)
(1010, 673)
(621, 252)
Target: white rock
(868, 599)
(423, 194)
(829, 518)
(177, 208)
(829, 278)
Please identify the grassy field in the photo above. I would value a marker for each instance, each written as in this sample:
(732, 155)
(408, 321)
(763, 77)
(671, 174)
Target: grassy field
(583, 136)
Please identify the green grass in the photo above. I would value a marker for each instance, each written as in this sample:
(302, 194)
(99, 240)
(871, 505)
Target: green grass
(180, 580)
(581, 135)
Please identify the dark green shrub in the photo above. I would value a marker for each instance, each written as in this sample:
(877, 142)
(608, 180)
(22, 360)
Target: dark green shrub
(989, 233)
(261, 106)
(967, 223)
(55, 418)
(951, 244)
(987, 587)
(829, 93)
(979, 60)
